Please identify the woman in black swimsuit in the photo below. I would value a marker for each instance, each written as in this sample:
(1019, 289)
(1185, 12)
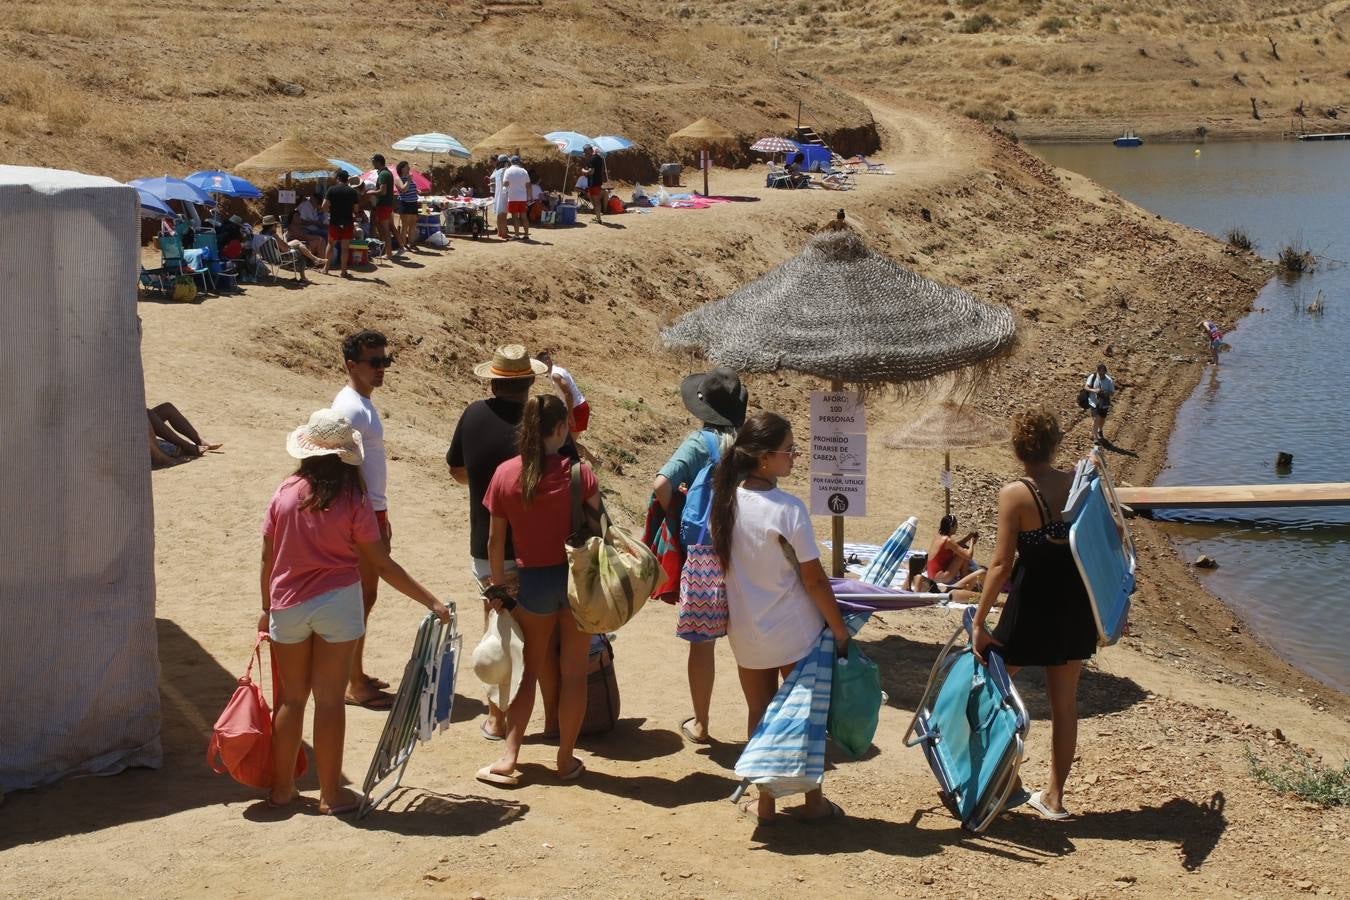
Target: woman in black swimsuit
(1047, 620)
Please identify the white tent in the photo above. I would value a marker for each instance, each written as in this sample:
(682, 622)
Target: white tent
(79, 666)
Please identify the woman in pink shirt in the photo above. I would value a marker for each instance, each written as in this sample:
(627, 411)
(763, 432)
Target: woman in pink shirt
(318, 525)
(532, 493)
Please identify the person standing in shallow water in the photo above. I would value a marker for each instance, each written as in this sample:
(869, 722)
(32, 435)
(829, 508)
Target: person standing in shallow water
(1047, 620)
(719, 400)
(778, 595)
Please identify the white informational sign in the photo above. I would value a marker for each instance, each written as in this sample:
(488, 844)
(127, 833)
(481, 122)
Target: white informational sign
(837, 412)
(945, 480)
(838, 495)
(286, 197)
(842, 453)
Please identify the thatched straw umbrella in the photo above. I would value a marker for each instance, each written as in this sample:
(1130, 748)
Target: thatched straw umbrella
(284, 157)
(840, 311)
(516, 139)
(947, 427)
(705, 134)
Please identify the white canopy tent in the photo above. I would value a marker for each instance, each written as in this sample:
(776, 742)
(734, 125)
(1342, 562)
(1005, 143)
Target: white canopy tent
(79, 666)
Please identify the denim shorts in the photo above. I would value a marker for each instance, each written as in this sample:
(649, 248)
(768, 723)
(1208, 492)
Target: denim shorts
(543, 591)
(336, 616)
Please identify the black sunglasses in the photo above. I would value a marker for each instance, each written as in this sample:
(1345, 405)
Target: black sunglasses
(379, 362)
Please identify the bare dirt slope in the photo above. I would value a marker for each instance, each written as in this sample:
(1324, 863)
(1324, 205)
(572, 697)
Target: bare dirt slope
(1165, 804)
(130, 89)
(1063, 69)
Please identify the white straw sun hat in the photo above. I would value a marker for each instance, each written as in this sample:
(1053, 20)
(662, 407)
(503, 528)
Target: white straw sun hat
(499, 660)
(326, 432)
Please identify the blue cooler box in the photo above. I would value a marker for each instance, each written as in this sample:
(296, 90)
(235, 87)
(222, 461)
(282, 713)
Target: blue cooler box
(567, 214)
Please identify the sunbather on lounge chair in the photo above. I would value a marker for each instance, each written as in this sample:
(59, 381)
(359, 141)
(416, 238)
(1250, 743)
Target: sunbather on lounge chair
(172, 437)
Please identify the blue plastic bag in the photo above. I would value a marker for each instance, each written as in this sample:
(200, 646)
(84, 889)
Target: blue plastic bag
(855, 701)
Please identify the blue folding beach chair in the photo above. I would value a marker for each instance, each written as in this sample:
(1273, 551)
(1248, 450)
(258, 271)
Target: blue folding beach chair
(972, 727)
(1102, 546)
(422, 704)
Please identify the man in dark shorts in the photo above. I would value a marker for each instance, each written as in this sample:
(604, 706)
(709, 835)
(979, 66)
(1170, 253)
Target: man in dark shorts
(340, 204)
(594, 165)
(383, 216)
(485, 438)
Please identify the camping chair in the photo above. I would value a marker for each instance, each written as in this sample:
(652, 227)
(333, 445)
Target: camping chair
(221, 269)
(779, 178)
(160, 281)
(173, 259)
(871, 168)
(844, 165)
(269, 255)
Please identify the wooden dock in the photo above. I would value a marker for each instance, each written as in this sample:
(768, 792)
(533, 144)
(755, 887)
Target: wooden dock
(1326, 136)
(1224, 496)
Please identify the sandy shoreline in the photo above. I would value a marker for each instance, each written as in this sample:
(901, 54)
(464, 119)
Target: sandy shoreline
(1166, 804)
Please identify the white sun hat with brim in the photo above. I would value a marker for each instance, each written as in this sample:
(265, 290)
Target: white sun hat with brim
(327, 432)
(511, 361)
(499, 660)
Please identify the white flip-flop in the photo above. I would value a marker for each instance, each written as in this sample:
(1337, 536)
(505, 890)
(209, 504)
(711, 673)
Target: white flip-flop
(1037, 802)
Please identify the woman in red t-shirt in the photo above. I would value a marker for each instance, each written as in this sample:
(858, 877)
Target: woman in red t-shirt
(319, 523)
(532, 493)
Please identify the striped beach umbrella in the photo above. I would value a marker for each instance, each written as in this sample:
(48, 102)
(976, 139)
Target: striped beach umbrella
(433, 142)
(773, 145)
(881, 570)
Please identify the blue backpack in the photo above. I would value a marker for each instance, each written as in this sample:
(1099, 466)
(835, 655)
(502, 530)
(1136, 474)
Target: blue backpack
(698, 498)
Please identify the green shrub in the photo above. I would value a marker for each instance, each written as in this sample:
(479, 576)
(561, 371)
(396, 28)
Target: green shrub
(1306, 780)
(977, 23)
(1054, 24)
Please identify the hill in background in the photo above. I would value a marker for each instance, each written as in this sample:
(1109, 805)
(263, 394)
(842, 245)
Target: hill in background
(129, 89)
(1056, 68)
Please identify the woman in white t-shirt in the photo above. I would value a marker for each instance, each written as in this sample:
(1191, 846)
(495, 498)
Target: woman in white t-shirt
(778, 595)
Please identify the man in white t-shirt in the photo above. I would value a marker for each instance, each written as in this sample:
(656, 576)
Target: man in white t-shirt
(366, 359)
(578, 410)
(517, 183)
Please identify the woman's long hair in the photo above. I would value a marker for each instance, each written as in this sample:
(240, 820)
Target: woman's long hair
(329, 477)
(542, 415)
(761, 432)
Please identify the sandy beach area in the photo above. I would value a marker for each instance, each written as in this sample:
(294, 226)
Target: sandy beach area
(1164, 801)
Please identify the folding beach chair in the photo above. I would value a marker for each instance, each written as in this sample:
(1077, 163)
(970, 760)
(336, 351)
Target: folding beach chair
(872, 168)
(173, 259)
(158, 281)
(972, 727)
(421, 707)
(1102, 546)
(269, 255)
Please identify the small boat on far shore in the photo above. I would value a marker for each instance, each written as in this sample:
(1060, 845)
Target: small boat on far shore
(1128, 139)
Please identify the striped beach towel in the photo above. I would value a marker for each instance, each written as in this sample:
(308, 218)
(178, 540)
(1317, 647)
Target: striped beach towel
(786, 754)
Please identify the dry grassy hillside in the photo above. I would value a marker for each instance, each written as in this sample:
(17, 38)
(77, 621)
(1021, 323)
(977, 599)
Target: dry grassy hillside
(126, 88)
(1057, 67)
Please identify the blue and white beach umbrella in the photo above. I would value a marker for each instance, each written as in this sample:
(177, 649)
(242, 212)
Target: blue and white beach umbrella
(883, 567)
(327, 173)
(152, 205)
(168, 188)
(432, 142)
(572, 143)
(611, 143)
(224, 183)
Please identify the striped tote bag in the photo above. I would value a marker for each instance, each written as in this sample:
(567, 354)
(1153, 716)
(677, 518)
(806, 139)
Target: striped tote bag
(702, 612)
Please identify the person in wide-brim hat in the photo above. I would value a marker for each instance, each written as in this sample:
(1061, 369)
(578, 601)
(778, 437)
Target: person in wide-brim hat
(510, 361)
(719, 400)
(716, 397)
(318, 529)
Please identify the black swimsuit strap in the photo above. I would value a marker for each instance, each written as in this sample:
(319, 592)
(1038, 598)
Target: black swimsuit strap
(1041, 506)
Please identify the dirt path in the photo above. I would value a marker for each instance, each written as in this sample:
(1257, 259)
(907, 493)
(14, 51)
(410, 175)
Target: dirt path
(1166, 806)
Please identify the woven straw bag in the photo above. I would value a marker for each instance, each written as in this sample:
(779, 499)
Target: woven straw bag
(610, 574)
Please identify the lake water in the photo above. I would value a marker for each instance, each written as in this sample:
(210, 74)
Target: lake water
(1285, 386)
